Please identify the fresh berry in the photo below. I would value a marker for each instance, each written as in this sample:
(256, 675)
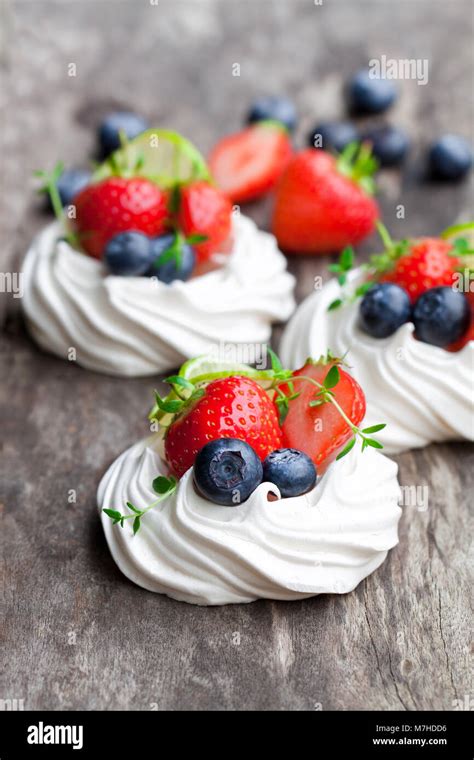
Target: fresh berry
(203, 210)
(319, 207)
(389, 144)
(226, 471)
(248, 164)
(333, 135)
(292, 471)
(172, 257)
(232, 407)
(450, 157)
(441, 316)
(457, 345)
(127, 122)
(383, 309)
(275, 108)
(320, 431)
(70, 183)
(367, 94)
(426, 265)
(128, 253)
(118, 205)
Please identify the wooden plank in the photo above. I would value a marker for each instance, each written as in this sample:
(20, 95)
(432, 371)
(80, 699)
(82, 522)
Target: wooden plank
(78, 634)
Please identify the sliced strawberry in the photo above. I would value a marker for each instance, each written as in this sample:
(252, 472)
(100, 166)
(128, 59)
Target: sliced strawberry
(233, 407)
(426, 265)
(321, 431)
(249, 163)
(320, 209)
(118, 204)
(204, 210)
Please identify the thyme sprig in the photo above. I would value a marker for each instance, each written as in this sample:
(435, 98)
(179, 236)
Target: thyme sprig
(282, 382)
(50, 186)
(161, 485)
(324, 394)
(378, 264)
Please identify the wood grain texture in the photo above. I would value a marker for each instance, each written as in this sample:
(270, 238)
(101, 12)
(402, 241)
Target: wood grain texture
(77, 633)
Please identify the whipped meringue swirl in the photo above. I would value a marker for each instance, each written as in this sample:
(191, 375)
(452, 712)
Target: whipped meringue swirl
(137, 326)
(194, 551)
(422, 392)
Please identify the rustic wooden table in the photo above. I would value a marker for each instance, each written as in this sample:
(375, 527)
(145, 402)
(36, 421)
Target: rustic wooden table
(77, 633)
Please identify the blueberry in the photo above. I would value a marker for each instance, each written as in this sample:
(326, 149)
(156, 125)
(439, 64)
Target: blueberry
(292, 471)
(450, 157)
(383, 309)
(178, 267)
(131, 124)
(71, 182)
(441, 316)
(273, 107)
(334, 134)
(389, 144)
(227, 471)
(128, 253)
(370, 95)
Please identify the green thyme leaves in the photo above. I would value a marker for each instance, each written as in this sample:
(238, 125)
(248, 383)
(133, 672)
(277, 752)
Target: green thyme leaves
(161, 485)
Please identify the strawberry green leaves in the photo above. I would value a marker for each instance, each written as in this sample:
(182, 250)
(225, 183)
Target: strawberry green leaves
(177, 401)
(344, 265)
(378, 264)
(357, 163)
(161, 485)
(279, 374)
(332, 378)
(277, 371)
(341, 269)
(282, 402)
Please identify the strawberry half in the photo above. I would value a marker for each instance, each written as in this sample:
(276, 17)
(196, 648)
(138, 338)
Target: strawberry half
(118, 204)
(427, 264)
(249, 163)
(232, 407)
(321, 431)
(204, 210)
(323, 204)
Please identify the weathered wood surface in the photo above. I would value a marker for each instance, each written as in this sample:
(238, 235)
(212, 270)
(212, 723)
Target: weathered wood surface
(77, 634)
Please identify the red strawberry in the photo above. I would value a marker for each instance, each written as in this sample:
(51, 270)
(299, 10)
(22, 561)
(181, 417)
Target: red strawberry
(469, 334)
(319, 209)
(321, 431)
(426, 265)
(205, 210)
(234, 407)
(118, 204)
(249, 163)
